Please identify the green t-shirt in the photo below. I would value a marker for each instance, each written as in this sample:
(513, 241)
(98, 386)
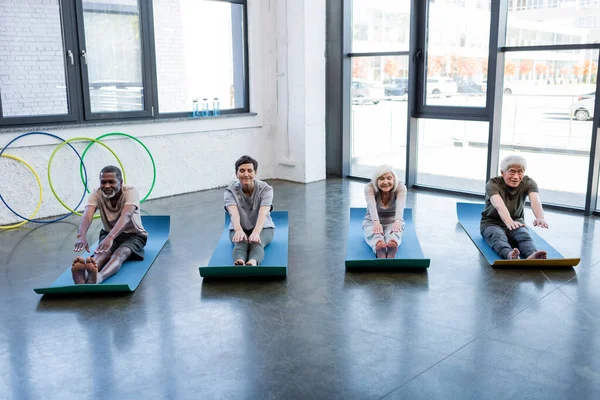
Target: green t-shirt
(514, 199)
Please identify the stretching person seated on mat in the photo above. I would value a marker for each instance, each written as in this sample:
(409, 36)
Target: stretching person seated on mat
(249, 202)
(383, 223)
(502, 224)
(123, 237)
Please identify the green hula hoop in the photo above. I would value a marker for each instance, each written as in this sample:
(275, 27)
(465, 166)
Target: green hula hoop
(130, 137)
(52, 157)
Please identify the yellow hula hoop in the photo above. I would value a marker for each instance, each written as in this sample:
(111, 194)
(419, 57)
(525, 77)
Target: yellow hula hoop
(69, 141)
(39, 204)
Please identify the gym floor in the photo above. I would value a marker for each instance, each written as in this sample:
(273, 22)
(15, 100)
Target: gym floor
(459, 330)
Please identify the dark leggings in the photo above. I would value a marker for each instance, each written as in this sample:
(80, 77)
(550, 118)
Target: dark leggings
(252, 251)
(500, 239)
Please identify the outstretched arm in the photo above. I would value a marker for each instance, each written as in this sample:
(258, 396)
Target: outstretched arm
(260, 223)
(400, 204)
(84, 225)
(538, 211)
(239, 235)
(372, 207)
(123, 220)
(499, 205)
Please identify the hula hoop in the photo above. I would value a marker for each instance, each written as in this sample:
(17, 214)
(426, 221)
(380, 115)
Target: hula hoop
(80, 159)
(130, 137)
(39, 204)
(52, 157)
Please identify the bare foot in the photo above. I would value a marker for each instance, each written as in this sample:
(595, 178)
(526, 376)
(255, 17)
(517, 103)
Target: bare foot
(252, 262)
(392, 249)
(92, 270)
(380, 249)
(513, 254)
(239, 261)
(540, 255)
(78, 271)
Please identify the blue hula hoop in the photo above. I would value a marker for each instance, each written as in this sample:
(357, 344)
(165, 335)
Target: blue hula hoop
(84, 186)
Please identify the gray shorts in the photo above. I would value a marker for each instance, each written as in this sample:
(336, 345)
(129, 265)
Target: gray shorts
(135, 243)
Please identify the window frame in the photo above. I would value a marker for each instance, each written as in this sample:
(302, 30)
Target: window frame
(246, 70)
(421, 108)
(69, 41)
(76, 77)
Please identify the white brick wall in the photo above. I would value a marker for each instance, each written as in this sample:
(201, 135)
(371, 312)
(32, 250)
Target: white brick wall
(32, 62)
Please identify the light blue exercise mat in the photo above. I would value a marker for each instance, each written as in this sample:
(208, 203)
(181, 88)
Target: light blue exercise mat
(131, 273)
(360, 255)
(469, 216)
(276, 254)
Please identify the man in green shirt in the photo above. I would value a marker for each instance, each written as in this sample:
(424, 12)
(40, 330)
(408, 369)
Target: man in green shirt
(502, 223)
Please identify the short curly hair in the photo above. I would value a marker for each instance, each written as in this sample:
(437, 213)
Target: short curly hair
(111, 169)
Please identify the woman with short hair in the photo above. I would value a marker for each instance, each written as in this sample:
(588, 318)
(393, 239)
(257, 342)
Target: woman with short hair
(383, 224)
(249, 202)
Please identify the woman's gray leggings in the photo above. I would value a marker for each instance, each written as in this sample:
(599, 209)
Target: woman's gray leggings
(252, 251)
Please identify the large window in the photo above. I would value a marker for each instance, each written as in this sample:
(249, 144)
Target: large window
(448, 110)
(113, 56)
(33, 77)
(379, 85)
(452, 154)
(457, 54)
(379, 93)
(199, 54)
(379, 26)
(547, 113)
(93, 60)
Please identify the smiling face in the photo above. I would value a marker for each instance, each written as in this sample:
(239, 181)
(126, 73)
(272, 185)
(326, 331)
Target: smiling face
(513, 175)
(110, 185)
(385, 182)
(246, 173)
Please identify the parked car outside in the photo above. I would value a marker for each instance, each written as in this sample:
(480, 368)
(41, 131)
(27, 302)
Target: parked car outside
(441, 86)
(366, 92)
(469, 86)
(583, 110)
(396, 87)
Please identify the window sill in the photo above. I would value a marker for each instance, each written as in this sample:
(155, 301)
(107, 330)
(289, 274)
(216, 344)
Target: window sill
(137, 128)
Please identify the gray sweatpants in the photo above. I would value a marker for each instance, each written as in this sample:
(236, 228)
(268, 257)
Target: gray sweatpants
(252, 251)
(501, 238)
(372, 238)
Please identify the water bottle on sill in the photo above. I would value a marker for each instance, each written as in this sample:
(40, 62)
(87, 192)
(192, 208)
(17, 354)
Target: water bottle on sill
(216, 106)
(195, 110)
(205, 110)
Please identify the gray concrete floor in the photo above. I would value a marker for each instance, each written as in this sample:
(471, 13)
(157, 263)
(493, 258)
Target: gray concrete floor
(460, 330)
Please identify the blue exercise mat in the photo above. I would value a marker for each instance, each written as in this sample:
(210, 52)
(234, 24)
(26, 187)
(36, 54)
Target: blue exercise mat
(469, 216)
(360, 255)
(131, 273)
(276, 254)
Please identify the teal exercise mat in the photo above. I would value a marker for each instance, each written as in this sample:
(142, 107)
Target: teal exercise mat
(469, 216)
(131, 273)
(276, 254)
(360, 255)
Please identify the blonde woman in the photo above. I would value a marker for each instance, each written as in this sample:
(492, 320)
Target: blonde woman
(383, 223)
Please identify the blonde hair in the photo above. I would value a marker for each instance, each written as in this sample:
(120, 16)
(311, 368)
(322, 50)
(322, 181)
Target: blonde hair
(511, 161)
(382, 170)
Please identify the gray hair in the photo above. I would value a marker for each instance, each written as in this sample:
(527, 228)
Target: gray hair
(382, 170)
(511, 161)
(111, 169)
